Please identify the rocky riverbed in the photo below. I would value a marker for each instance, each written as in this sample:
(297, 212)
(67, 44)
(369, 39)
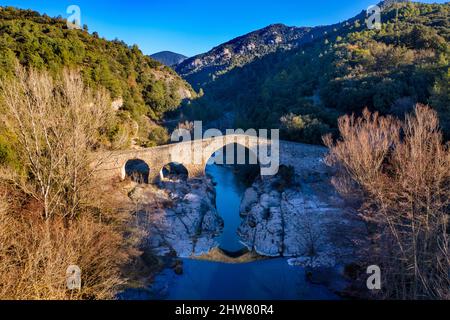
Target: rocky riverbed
(299, 217)
(179, 216)
(290, 222)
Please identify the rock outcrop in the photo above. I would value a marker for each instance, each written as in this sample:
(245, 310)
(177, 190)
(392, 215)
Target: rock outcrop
(180, 216)
(306, 219)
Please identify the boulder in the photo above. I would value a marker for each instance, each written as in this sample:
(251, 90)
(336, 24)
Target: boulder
(299, 222)
(248, 200)
(190, 226)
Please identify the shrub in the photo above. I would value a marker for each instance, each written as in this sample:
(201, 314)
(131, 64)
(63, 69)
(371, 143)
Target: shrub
(303, 128)
(284, 179)
(34, 256)
(157, 136)
(402, 169)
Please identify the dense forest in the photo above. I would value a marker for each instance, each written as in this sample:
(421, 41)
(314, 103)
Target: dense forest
(142, 88)
(303, 91)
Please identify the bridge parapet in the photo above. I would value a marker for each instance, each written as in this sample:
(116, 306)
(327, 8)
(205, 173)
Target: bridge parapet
(195, 154)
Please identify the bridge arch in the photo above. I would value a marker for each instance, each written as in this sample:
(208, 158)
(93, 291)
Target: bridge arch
(137, 170)
(243, 158)
(240, 154)
(188, 153)
(174, 169)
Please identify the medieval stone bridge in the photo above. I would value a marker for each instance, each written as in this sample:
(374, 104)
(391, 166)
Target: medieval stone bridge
(194, 155)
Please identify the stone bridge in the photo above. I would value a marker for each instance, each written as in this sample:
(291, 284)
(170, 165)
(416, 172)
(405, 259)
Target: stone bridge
(194, 155)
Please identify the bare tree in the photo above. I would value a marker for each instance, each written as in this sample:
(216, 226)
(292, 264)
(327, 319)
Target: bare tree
(52, 217)
(56, 124)
(405, 183)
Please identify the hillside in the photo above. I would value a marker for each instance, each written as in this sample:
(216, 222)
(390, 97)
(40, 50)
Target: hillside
(304, 90)
(168, 58)
(142, 88)
(206, 67)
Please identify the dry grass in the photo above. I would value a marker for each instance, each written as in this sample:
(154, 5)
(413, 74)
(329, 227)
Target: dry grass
(402, 170)
(35, 253)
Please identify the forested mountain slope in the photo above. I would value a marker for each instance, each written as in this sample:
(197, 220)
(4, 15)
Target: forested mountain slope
(304, 90)
(207, 67)
(142, 88)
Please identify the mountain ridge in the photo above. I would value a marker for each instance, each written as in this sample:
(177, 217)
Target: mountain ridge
(169, 58)
(206, 67)
(303, 91)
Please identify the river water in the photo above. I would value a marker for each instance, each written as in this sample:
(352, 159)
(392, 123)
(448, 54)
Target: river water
(271, 279)
(229, 191)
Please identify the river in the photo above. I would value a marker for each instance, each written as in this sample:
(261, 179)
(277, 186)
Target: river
(229, 191)
(271, 279)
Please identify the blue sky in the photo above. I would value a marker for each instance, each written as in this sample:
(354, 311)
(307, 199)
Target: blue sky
(193, 26)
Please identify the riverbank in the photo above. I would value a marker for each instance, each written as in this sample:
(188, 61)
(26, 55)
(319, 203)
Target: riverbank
(302, 217)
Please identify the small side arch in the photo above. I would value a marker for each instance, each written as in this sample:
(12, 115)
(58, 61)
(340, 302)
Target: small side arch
(137, 170)
(174, 169)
